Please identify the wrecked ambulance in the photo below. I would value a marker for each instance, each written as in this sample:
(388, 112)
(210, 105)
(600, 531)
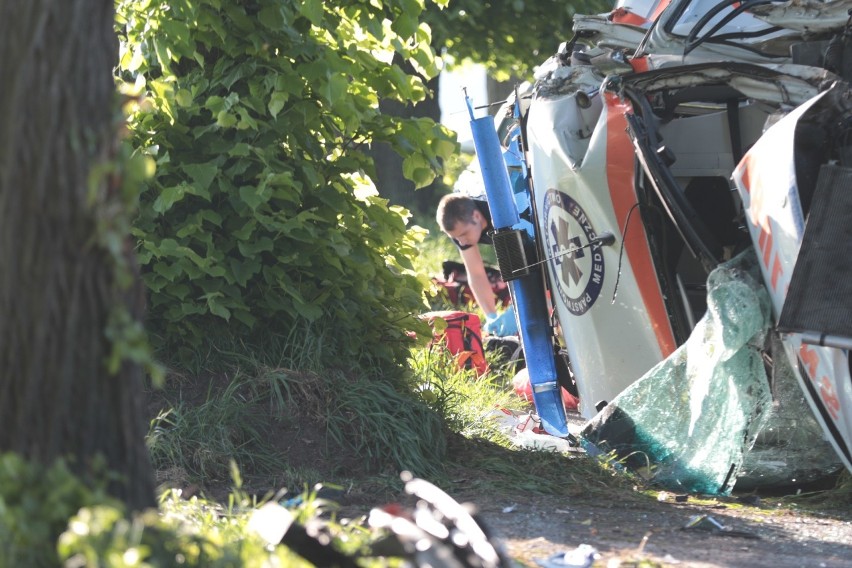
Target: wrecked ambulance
(663, 141)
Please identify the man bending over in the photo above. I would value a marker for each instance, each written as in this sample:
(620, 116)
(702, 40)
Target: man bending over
(467, 222)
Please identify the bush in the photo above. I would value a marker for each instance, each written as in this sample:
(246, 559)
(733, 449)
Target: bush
(35, 505)
(261, 217)
(50, 517)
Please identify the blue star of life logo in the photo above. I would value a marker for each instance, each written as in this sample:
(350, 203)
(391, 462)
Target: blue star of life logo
(566, 258)
(576, 268)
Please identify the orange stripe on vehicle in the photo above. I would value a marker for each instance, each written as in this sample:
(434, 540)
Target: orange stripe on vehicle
(620, 160)
(777, 270)
(640, 64)
(625, 16)
(767, 248)
(659, 9)
(743, 171)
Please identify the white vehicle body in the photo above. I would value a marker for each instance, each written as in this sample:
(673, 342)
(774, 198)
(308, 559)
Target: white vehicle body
(689, 131)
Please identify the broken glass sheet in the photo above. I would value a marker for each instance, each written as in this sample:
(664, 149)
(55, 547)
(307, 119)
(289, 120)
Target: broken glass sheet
(791, 448)
(687, 423)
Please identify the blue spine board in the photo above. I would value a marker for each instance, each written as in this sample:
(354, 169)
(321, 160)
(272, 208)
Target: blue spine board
(527, 292)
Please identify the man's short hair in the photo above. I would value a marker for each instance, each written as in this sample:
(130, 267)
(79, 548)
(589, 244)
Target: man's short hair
(454, 208)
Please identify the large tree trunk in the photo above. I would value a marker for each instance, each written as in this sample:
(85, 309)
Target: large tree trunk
(58, 283)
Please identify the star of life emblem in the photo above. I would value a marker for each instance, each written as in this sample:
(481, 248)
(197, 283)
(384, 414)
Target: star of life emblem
(578, 272)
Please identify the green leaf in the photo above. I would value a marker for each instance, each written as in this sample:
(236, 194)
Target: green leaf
(418, 170)
(163, 55)
(337, 86)
(250, 249)
(216, 308)
(178, 36)
(310, 312)
(225, 119)
(245, 317)
(240, 150)
(214, 104)
(312, 10)
(183, 98)
(202, 175)
(252, 197)
(246, 231)
(245, 120)
(135, 59)
(272, 16)
(168, 197)
(243, 271)
(237, 73)
(170, 271)
(277, 102)
(444, 147)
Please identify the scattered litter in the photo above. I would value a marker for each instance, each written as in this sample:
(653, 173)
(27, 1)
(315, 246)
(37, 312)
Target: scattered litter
(510, 508)
(642, 544)
(437, 531)
(709, 524)
(524, 429)
(704, 523)
(681, 498)
(271, 522)
(581, 557)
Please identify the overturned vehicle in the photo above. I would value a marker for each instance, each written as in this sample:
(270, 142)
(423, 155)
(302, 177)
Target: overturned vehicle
(672, 202)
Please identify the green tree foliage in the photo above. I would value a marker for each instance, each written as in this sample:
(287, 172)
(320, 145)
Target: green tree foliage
(262, 217)
(510, 37)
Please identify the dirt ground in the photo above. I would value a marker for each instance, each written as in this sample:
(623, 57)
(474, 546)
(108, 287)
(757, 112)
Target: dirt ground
(635, 529)
(640, 530)
(669, 530)
(534, 528)
(646, 529)
(624, 528)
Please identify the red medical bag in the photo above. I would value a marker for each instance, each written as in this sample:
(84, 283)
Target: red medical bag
(462, 337)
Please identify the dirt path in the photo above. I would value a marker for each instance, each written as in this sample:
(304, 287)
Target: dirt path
(536, 528)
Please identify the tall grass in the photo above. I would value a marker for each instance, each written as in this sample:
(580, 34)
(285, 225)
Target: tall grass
(384, 422)
(252, 393)
(462, 399)
(200, 437)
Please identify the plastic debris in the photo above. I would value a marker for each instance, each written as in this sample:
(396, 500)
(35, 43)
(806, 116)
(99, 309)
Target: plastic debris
(276, 525)
(438, 531)
(704, 523)
(270, 521)
(581, 557)
(524, 429)
(711, 525)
